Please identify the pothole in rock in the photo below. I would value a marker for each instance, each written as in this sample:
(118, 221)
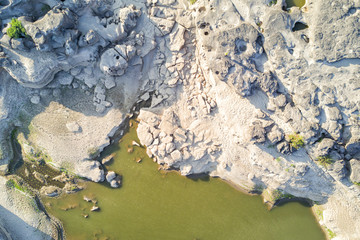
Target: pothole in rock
(299, 26)
(295, 3)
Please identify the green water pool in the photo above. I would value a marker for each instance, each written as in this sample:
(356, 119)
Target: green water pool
(295, 3)
(154, 204)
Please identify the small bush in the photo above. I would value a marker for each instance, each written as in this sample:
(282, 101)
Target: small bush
(278, 194)
(324, 160)
(356, 183)
(16, 30)
(296, 141)
(272, 3)
(192, 1)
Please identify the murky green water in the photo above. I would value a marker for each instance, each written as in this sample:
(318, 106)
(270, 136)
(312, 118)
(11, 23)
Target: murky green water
(156, 205)
(295, 3)
(26, 172)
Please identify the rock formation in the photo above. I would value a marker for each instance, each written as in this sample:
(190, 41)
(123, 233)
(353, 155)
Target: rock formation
(236, 91)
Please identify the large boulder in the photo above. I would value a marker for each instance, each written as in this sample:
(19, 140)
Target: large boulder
(110, 176)
(113, 63)
(353, 147)
(128, 17)
(90, 170)
(323, 147)
(338, 170)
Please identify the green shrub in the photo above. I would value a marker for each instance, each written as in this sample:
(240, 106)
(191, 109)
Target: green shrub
(296, 141)
(192, 1)
(16, 30)
(278, 194)
(324, 160)
(356, 183)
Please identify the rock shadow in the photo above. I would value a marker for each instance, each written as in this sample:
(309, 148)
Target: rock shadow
(17, 228)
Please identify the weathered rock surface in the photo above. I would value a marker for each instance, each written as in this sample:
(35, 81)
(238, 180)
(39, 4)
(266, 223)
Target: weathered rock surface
(228, 82)
(355, 170)
(21, 218)
(92, 171)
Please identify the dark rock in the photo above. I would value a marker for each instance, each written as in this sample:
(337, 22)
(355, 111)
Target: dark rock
(283, 147)
(353, 148)
(257, 132)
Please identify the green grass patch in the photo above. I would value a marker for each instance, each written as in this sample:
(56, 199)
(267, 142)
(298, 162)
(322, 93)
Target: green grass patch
(278, 159)
(16, 30)
(331, 233)
(296, 141)
(356, 183)
(324, 161)
(192, 1)
(11, 183)
(320, 213)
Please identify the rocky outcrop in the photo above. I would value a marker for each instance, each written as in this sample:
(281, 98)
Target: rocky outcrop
(91, 170)
(232, 84)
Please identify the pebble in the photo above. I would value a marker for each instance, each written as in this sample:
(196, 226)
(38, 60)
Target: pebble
(94, 208)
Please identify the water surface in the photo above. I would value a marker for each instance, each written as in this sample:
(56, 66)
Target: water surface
(295, 3)
(164, 205)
